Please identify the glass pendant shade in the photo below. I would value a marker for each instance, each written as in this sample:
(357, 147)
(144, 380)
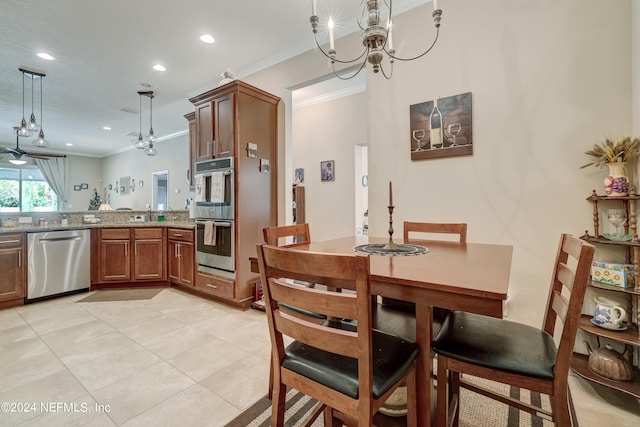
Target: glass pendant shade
(151, 151)
(140, 142)
(41, 141)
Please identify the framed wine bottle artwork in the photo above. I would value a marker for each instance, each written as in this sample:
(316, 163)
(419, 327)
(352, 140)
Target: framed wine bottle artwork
(441, 127)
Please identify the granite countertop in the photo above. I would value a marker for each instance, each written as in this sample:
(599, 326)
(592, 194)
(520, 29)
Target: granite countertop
(33, 228)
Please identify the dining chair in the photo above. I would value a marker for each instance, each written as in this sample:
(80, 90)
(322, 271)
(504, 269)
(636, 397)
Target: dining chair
(350, 369)
(517, 354)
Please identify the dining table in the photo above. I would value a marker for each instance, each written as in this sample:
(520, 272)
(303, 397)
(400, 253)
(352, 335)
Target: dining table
(471, 277)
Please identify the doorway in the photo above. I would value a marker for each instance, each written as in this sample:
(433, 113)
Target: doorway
(361, 190)
(160, 194)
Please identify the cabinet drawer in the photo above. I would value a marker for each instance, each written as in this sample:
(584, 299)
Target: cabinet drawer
(180, 234)
(215, 285)
(147, 233)
(11, 240)
(114, 233)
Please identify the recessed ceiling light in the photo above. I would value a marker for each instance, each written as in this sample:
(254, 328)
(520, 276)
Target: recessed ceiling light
(106, 128)
(159, 67)
(46, 56)
(207, 38)
(68, 144)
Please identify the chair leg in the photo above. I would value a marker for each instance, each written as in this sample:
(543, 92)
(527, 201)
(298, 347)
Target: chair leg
(270, 391)
(442, 392)
(278, 405)
(412, 402)
(560, 409)
(454, 392)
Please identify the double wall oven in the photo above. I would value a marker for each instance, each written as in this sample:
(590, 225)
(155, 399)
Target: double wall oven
(215, 216)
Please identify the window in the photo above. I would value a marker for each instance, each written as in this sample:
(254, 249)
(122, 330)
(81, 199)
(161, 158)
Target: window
(24, 189)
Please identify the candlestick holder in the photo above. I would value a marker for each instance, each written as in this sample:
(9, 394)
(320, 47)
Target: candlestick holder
(390, 246)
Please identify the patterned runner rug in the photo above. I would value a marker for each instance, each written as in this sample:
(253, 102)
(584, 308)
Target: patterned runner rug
(477, 410)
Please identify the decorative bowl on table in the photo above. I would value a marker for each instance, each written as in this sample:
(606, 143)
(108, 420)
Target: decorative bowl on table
(616, 237)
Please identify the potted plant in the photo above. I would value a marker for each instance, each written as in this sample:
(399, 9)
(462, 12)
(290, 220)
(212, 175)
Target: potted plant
(614, 153)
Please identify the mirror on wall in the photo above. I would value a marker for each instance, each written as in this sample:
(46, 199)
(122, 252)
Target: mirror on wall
(160, 194)
(125, 183)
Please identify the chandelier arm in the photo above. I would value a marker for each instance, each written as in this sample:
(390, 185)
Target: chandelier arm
(351, 76)
(338, 60)
(419, 56)
(388, 77)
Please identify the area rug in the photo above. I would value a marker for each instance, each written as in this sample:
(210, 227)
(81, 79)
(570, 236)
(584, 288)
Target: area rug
(122, 294)
(476, 410)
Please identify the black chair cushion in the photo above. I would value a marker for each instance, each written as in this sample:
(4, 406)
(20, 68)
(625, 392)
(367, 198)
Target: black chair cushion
(392, 359)
(497, 344)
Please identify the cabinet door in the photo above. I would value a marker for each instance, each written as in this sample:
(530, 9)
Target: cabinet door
(187, 263)
(224, 125)
(115, 263)
(148, 260)
(204, 131)
(173, 260)
(12, 267)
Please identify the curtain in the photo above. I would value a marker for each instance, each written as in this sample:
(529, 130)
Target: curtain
(54, 171)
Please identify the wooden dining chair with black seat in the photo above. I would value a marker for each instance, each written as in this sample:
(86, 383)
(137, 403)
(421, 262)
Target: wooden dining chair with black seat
(514, 353)
(351, 370)
(299, 232)
(397, 316)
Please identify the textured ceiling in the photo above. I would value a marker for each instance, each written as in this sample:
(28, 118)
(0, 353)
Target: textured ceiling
(105, 50)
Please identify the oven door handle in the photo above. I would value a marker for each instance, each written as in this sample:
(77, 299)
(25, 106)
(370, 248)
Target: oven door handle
(217, 223)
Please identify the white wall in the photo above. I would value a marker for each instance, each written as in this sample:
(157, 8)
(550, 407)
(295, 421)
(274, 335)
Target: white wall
(82, 170)
(321, 133)
(173, 155)
(548, 80)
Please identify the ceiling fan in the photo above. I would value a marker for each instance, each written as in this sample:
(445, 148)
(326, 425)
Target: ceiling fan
(18, 152)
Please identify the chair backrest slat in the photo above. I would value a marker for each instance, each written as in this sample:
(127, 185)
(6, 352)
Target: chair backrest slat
(566, 276)
(441, 228)
(334, 304)
(560, 306)
(300, 233)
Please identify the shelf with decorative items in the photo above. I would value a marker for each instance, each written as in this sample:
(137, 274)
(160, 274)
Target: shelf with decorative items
(617, 370)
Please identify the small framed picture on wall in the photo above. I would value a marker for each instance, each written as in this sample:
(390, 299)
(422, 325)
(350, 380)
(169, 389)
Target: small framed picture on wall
(327, 170)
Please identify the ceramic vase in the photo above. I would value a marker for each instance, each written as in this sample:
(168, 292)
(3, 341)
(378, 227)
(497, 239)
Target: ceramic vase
(617, 183)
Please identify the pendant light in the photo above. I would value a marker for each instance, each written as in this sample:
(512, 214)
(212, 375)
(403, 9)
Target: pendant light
(140, 142)
(40, 141)
(151, 138)
(32, 125)
(23, 130)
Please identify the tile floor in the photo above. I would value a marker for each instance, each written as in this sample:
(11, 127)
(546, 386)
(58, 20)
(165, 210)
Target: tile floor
(172, 360)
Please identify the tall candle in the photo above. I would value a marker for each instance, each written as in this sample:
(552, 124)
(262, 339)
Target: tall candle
(331, 43)
(313, 8)
(435, 5)
(389, 35)
(390, 194)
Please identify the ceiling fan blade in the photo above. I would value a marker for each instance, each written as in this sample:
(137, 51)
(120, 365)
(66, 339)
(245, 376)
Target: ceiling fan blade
(16, 152)
(44, 156)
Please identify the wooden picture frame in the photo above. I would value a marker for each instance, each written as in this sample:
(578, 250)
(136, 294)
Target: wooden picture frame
(457, 136)
(327, 170)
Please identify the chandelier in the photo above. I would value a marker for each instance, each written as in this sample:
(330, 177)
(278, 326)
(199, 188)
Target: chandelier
(26, 129)
(377, 38)
(147, 143)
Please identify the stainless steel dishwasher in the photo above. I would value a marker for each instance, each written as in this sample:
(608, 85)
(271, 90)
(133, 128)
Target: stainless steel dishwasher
(59, 262)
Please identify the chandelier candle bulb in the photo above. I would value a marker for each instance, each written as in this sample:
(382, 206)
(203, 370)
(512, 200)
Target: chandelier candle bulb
(389, 35)
(313, 8)
(435, 4)
(331, 42)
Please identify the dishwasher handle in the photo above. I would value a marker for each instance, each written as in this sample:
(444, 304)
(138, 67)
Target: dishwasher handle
(59, 239)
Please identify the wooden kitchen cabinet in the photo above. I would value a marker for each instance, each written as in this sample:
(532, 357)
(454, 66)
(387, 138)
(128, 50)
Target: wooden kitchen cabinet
(115, 263)
(149, 254)
(13, 265)
(181, 256)
(125, 255)
(241, 121)
(191, 118)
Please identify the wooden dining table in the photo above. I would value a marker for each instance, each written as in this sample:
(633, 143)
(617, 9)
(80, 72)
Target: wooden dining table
(472, 277)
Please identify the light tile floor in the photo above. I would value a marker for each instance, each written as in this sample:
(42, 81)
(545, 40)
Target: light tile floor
(174, 360)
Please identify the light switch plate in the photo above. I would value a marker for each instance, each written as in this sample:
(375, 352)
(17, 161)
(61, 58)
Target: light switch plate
(25, 220)
(252, 149)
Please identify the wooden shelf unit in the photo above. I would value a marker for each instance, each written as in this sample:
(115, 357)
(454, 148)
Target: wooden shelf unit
(631, 336)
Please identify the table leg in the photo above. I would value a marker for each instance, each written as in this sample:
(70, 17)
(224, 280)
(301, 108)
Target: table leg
(424, 365)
